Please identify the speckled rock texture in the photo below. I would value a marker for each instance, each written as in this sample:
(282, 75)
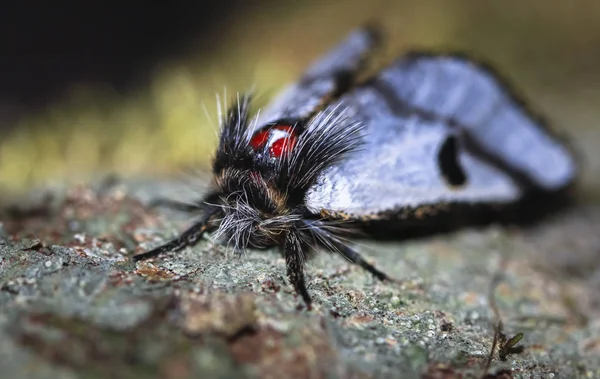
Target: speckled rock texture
(73, 304)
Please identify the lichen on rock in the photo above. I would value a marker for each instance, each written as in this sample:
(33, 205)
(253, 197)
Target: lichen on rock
(73, 303)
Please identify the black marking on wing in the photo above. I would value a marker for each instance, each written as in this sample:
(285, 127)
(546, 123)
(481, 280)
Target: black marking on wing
(507, 86)
(491, 113)
(401, 107)
(448, 161)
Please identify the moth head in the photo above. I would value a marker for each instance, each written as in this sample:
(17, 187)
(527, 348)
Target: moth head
(263, 172)
(256, 213)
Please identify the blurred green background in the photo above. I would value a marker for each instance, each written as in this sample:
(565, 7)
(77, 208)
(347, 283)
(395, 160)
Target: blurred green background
(550, 50)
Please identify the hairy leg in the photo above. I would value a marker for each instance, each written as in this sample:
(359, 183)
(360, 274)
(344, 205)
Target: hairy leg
(355, 257)
(294, 249)
(333, 243)
(193, 206)
(190, 236)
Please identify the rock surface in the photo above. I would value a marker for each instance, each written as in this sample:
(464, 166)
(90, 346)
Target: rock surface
(73, 303)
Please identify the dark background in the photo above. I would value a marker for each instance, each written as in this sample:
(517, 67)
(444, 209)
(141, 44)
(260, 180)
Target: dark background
(47, 46)
(94, 87)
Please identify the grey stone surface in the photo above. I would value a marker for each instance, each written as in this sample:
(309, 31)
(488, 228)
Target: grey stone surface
(74, 305)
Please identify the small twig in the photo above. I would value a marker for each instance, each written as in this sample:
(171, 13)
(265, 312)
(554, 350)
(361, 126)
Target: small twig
(505, 345)
(496, 279)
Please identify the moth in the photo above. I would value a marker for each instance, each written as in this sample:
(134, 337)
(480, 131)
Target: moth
(429, 134)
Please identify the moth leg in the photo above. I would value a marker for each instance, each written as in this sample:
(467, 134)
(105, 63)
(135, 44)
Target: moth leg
(294, 260)
(176, 205)
(355, 257)
(188, 238)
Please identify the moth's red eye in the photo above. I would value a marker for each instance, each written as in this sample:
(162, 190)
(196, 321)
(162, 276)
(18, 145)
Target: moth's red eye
(282, 145)
(259, 139)
(278, 139)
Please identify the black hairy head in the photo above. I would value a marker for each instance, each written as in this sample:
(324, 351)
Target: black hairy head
(233, 150)
(262, 175)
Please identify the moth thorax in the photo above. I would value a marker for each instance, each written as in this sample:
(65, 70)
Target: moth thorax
(278, 139)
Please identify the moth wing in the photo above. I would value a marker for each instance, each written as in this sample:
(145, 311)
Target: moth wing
(410, 112)
(479, 103)
(397, 167)
(322, 79)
